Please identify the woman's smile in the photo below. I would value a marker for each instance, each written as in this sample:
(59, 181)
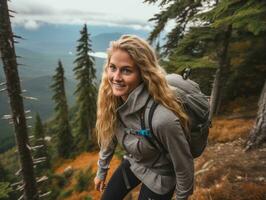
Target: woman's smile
(123, 74)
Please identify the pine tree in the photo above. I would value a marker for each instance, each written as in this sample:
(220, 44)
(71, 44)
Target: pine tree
(182, 12)
(230, 17)
(207, 45)
(64, 136)
(41, 150)
(9, 58)
(86, 92)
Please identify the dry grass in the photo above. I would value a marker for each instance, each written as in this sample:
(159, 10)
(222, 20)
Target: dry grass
(231, 173)
(226, 172)
(228, 191)
(225, 130)
(82, 162)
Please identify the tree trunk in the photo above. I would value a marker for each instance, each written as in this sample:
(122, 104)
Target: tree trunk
(220, 76)
(8, 55)
(258, 133)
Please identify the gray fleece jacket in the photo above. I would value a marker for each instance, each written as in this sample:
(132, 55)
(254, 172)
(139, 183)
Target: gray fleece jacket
(158, 171)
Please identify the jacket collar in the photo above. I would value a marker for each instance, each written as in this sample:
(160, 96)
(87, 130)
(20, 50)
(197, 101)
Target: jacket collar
(135, 101)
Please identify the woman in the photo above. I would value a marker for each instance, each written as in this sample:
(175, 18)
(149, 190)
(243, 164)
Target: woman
(132, 80)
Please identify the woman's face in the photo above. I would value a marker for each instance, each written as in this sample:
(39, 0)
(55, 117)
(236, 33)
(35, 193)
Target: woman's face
(123, 74)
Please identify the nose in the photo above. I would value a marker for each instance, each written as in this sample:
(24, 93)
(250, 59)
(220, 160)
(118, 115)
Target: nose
(117, 76)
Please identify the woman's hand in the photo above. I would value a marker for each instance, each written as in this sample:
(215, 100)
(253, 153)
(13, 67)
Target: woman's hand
(99, 184)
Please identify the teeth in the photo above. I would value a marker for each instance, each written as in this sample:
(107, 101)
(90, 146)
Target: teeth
(118, 85)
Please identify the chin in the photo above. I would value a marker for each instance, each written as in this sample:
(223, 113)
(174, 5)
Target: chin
(118, 94)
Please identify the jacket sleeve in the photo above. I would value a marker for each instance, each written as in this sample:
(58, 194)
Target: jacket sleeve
(171, 134)
(105, 157)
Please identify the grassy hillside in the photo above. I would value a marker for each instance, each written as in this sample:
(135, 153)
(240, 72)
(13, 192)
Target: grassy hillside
(224, 171)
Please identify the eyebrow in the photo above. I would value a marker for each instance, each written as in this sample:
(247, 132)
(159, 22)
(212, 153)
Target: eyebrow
(129, 66)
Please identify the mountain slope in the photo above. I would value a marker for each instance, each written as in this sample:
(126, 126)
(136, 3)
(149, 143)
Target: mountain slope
(224, 171)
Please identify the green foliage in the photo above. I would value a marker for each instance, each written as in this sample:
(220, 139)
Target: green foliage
(178, 64)
(88, 198)
(56, 182)
(39, 140)
(64, 135)
(10, 163)
(210, 44)
(182, 12)
(119, 152)
(7, 138)
(241, 14)
(86, 93)
(65, 193)
(84, 179)
(248, 68)
(3, 175)
(5, 189)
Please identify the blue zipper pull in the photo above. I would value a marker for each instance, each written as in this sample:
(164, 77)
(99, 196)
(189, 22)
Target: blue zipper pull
(144, 132)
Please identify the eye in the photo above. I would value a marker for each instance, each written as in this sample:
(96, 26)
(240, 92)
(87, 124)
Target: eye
(126, 71)
(112, 68)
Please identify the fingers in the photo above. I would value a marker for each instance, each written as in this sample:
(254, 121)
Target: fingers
(97, 187)
(102, 186)
(99, 184)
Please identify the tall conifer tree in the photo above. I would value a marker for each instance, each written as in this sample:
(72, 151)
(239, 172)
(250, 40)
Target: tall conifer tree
(86, 92)
(208, 43)
(10, 65)
(39, 142)
(64, 136)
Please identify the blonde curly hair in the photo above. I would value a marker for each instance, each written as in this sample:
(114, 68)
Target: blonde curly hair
(151, 73)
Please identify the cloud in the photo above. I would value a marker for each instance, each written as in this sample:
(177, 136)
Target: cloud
(98, 54)
(133, 14)
(31, 25)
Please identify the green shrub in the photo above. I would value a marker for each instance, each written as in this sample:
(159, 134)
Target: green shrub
(5, 189)
(84, 179)
(55, 193)
(88, 198)
(65, 193)
(59, 180)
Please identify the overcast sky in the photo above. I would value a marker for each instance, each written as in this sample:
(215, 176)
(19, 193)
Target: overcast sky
(131, 13)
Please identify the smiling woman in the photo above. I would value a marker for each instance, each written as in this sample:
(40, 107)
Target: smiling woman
(131, 82)
(123, 74)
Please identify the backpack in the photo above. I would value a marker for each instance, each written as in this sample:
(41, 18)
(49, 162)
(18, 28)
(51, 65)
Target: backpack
(197, 108)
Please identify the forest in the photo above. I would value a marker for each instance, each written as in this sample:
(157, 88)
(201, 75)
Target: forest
(221, 42)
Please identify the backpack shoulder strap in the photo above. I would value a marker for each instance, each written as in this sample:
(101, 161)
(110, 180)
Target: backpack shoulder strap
(150, 116)
(142, 114)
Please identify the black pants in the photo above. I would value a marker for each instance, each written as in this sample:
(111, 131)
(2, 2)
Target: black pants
(117, 189)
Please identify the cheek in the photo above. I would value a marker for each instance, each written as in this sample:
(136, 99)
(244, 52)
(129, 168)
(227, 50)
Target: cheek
(109, 74)
(135, 81)
(138, 78)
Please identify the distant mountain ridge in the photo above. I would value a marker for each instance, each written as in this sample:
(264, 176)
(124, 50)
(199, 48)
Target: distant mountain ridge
(101, 42)
(61, 39)
(40, 53)
(35, 87)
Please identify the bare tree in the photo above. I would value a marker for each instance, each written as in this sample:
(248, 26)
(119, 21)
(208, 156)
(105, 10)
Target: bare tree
(258, 133)
(13, 87)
